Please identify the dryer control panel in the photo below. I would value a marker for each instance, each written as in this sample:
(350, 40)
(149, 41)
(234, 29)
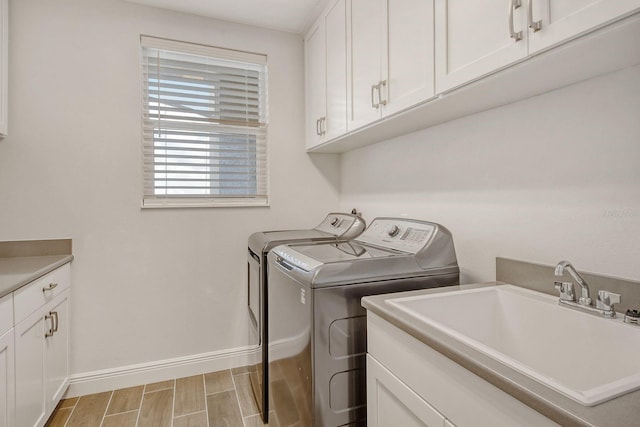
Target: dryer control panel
(344, 226)
(401, 234)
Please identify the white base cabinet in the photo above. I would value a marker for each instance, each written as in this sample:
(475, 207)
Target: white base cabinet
(391, 403)
(409, 381)
(41, 346)
(7, 380)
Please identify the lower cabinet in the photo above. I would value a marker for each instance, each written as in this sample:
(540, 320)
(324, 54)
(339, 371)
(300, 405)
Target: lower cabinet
(411, 384)
(390, 402)
(7, 380)
(41, 347)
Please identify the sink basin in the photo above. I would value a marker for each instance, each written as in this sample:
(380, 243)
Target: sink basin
(587, 358)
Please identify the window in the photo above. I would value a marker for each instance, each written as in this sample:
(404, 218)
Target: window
(204, 125)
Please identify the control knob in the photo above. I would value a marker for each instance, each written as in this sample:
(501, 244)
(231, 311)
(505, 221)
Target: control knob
(393, 231)
(335, 221)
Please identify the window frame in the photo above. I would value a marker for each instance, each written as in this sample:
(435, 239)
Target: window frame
(149, 173)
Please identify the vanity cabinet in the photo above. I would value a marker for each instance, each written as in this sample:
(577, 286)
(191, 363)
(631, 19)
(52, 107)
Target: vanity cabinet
(7, 366)
(326, 76)
(391, 57)
(408, 380)
(4, 67)
(41, 346)
(390, 402)
(477, 38)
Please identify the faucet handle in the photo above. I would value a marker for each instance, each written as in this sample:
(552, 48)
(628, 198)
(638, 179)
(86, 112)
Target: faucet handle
(567, 292)
(605, 302)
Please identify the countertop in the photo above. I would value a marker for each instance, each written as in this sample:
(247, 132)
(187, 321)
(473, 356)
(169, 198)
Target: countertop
(621, 411)
(16, 272)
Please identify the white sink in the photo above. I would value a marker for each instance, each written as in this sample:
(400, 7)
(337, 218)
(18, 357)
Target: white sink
(587, 358)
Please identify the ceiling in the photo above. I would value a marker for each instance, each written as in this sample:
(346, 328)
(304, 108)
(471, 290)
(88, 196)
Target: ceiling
(293, 16)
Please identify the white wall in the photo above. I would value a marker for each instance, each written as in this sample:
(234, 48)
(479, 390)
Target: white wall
(552, 177)
(147, 284)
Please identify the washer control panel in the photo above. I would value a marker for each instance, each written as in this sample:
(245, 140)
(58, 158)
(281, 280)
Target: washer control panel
(398, 233)
(345, 226)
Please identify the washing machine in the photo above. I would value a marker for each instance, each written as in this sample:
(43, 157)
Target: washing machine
(335, 227)
(317, 327)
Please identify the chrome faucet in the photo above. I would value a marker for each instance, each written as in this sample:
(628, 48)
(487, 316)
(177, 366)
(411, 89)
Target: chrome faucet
(604, 304)
(566, 265)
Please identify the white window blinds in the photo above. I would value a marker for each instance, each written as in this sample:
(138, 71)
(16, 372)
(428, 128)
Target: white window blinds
(204, 125)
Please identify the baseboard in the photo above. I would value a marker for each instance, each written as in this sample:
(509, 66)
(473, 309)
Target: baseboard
(160, 370)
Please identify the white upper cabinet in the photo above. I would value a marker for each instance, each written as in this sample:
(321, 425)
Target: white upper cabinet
(326, 76)
(315, 83)
(391, 57)
(377, 69)
(554, 21)
(474, 38)
(4, 67)
(477, 38)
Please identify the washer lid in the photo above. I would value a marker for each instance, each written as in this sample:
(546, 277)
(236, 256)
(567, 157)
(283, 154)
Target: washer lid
(335, 227)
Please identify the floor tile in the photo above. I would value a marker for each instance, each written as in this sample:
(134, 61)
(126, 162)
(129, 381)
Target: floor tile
(59, 417)
(127, 419)
(163, 385)
(156, 409)
(243, 370)
(68, 403)
(125, 400)
(256, 421)
(245, 394)
(193, 420)
(189, 395)
(224, 410)
(218, 381)
(89, 410)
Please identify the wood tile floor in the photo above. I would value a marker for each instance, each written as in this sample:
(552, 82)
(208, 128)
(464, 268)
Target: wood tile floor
(221, 398)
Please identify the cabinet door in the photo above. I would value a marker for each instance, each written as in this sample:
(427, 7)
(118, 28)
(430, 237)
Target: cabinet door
(7, 380)
(392, 403)
(56, 350)
(366, 61)
(409, 51)
(315, 65)
(29, 346)
(336, 70)
(472, 39)
(561, 20)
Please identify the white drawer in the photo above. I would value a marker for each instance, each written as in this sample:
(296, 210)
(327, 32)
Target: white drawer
(6, 313)
(34, 295)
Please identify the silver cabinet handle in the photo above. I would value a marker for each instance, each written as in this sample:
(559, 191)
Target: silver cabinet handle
(51, 330)
(513, 5)
(51, 287)
(373, 89)
(380, 85)
(318, 131)
(55, 320)
(534, 25)
(323, 125)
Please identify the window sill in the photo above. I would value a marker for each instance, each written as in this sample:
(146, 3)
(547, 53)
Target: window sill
(204, 203)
